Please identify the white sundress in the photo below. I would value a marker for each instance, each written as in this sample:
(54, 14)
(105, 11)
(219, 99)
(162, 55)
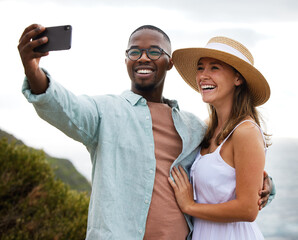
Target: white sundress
(214, 181)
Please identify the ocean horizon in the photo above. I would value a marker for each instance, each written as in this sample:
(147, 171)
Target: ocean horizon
(279, 220)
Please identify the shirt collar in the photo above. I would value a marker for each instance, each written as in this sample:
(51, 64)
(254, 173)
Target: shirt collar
(131, 97)
(135, 98)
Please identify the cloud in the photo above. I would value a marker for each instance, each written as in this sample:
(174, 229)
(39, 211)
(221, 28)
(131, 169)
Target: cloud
(199, 38)
(217, 10)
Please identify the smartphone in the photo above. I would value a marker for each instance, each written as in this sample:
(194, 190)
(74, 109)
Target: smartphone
(59, 38)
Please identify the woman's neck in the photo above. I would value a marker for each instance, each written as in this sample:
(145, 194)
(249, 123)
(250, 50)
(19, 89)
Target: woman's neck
(223, 115)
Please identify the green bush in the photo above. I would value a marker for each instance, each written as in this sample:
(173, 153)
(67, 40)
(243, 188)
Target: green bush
(33, 205)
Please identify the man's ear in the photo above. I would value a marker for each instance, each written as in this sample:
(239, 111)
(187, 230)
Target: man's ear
(170, 64)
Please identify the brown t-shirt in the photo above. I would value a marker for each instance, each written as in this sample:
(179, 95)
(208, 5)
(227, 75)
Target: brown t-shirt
(165, 221)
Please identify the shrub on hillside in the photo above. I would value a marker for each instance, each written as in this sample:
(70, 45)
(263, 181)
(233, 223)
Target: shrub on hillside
(33, 205)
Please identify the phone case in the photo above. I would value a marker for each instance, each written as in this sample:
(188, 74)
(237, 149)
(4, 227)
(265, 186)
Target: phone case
(59, 38)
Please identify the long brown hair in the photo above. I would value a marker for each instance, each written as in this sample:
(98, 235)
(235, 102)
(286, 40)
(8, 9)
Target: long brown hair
(242, 108)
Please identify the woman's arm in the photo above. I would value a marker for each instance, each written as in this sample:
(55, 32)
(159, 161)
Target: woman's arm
(249, 160)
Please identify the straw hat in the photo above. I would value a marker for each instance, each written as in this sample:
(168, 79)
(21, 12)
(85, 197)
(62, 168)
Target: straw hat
(230, 52)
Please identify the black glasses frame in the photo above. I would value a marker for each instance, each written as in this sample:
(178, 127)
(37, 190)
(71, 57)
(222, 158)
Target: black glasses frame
(147, 53)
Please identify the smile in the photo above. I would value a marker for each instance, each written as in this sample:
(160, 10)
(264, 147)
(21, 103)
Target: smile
(207, 87)
(144, 71)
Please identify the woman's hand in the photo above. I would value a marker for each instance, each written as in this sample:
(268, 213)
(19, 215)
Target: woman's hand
(182, 188)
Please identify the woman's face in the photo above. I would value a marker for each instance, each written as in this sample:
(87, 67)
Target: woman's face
(216, 81)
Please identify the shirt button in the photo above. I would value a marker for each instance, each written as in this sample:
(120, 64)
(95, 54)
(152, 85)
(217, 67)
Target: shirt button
(147, 117)
(146, 201)
(151, 171)
(140, 231)
(143, 100)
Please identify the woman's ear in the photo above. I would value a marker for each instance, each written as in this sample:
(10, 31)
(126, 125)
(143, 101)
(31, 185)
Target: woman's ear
(238, 79)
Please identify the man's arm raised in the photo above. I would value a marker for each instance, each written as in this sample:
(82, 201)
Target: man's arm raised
(37, 79)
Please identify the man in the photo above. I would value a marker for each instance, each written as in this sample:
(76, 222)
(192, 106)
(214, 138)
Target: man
(133, 139)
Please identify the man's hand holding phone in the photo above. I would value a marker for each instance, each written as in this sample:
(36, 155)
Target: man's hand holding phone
(59, 38)
(28, 44)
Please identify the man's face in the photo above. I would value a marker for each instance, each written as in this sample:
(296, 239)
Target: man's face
(146, 74)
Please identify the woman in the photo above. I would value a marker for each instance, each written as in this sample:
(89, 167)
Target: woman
(228, 171)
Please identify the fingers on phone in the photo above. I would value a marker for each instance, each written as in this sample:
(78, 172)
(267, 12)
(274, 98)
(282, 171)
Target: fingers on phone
(30, 46)
(31, 31)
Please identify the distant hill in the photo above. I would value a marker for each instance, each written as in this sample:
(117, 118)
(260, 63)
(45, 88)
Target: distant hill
(9, 137)
(63, 168)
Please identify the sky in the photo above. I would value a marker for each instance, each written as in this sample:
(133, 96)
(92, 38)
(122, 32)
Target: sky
(95, 63)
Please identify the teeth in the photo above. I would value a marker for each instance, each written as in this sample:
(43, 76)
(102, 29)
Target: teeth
(144, 71)
(204, 87)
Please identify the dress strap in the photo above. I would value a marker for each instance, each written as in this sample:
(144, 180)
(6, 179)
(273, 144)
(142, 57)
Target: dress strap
(238, 126)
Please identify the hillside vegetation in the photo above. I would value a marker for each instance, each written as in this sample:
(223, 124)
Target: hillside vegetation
(63, 168)
(33, 204)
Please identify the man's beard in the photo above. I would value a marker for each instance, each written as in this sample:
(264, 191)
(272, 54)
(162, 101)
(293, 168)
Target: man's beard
(144, 88)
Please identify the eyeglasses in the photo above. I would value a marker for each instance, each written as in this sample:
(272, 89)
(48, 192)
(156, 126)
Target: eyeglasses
(153, 53)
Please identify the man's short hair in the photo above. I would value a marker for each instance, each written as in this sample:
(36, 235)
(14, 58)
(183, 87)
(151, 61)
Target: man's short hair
(151, 27)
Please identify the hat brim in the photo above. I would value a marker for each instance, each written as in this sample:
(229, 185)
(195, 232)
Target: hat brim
(186, 62)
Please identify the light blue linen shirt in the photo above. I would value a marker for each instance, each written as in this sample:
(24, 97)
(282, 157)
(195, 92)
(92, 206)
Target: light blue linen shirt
(117, 131)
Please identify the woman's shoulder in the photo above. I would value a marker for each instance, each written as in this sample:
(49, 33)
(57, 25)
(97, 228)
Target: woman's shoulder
(247, 131)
